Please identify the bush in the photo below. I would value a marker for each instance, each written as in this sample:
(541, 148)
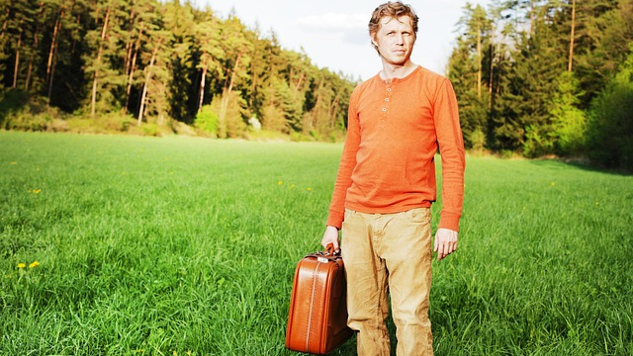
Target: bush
(610, 132)
(20, 111)
(207, 120)
(477, 139)
(10, 103)
(569, 124)
(115, 121)
(57, 125)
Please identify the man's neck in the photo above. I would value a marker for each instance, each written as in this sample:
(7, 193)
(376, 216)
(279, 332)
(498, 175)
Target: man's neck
(390, 71)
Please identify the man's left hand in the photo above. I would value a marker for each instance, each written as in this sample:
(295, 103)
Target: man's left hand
(445, 242)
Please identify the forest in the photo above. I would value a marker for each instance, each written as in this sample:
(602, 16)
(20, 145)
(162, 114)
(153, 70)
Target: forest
(534, 78)
(547, 77)
(115, 65)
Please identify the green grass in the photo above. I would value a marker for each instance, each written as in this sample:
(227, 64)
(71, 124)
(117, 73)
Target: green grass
(152, 246)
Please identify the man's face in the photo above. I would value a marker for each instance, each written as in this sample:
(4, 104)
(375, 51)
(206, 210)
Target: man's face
(395, 39)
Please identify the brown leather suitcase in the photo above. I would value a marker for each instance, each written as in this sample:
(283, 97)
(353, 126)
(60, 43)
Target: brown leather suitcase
(317, 319)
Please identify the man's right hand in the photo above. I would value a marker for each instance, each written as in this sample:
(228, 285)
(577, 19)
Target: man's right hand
(331, 237)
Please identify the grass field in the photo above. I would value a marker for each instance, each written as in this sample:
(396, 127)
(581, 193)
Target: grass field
(113, 245)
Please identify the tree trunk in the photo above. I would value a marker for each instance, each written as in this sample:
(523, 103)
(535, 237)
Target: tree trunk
(491, 78)
(50, 83)
(104, 30)
(148, 76)
(52, 54)
(300, 80)
(202, 85)
(28, 74)
(129, 46)
(571, 39)
(479, 59)
(4, 25)
(36, 43)
(130, 78)
(225, 100)
(72, 50)
(17, 61)
(333, 109)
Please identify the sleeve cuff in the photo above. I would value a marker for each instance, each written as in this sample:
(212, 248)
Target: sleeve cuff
(449, 221)
(335, 219)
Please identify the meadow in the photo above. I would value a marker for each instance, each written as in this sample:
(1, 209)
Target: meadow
(120, 245)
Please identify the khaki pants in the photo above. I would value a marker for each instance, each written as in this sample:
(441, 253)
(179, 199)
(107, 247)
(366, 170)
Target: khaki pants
(392, 252)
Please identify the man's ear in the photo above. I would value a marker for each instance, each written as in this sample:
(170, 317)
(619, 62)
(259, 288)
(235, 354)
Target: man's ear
(373, 40)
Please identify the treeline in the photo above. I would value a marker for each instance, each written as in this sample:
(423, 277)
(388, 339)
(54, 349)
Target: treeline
(158, 63)
(540, 77)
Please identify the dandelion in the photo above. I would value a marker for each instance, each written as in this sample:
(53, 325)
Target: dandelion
(309, 189)
(552, 184)
(36, 191)
(34, 264)
(13, 163)
(21, 265)
(292, 186)
(280, 183)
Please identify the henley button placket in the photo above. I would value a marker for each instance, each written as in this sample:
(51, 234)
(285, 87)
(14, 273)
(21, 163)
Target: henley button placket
(387, 97)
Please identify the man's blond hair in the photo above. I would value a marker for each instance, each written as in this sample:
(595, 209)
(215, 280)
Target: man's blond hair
(393, 9)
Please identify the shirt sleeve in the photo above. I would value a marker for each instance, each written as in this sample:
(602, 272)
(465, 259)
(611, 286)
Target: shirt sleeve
(451, 146)
(346, 167)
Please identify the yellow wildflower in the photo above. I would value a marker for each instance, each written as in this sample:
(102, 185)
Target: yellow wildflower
(280, 182)
(310, 189)
(36, 191)
(34, 264)
(14, 163)
(21, 265)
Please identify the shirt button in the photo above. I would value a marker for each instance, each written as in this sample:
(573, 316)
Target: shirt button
(384, 109)
(388, 89)
(386, 99)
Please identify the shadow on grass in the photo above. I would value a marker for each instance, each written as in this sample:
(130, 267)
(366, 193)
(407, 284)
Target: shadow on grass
(580, 164)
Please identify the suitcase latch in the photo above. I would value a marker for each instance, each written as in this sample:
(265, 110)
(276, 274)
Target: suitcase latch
(322, 259)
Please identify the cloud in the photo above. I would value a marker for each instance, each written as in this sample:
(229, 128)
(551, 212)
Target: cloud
(351, 28)
(333, 22)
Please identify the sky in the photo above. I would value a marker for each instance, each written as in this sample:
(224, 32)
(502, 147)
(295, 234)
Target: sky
(333, 33)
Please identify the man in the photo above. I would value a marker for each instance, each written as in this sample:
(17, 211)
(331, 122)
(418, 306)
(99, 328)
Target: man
(386, 184)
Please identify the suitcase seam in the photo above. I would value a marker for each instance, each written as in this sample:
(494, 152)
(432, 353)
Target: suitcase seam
(314, 280)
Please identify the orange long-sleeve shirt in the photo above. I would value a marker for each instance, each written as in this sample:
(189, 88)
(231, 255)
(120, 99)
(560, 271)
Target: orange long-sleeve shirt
(394, 129)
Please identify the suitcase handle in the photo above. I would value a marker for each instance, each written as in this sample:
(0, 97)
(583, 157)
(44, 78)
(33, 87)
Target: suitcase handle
(327, 255)
(329, 250)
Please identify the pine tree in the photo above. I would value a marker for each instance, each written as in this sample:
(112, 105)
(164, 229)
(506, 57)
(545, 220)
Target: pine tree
(106, 42)
(237, 60)
(466, 71)
(610, 130)
(179, 20)
(209, 41)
